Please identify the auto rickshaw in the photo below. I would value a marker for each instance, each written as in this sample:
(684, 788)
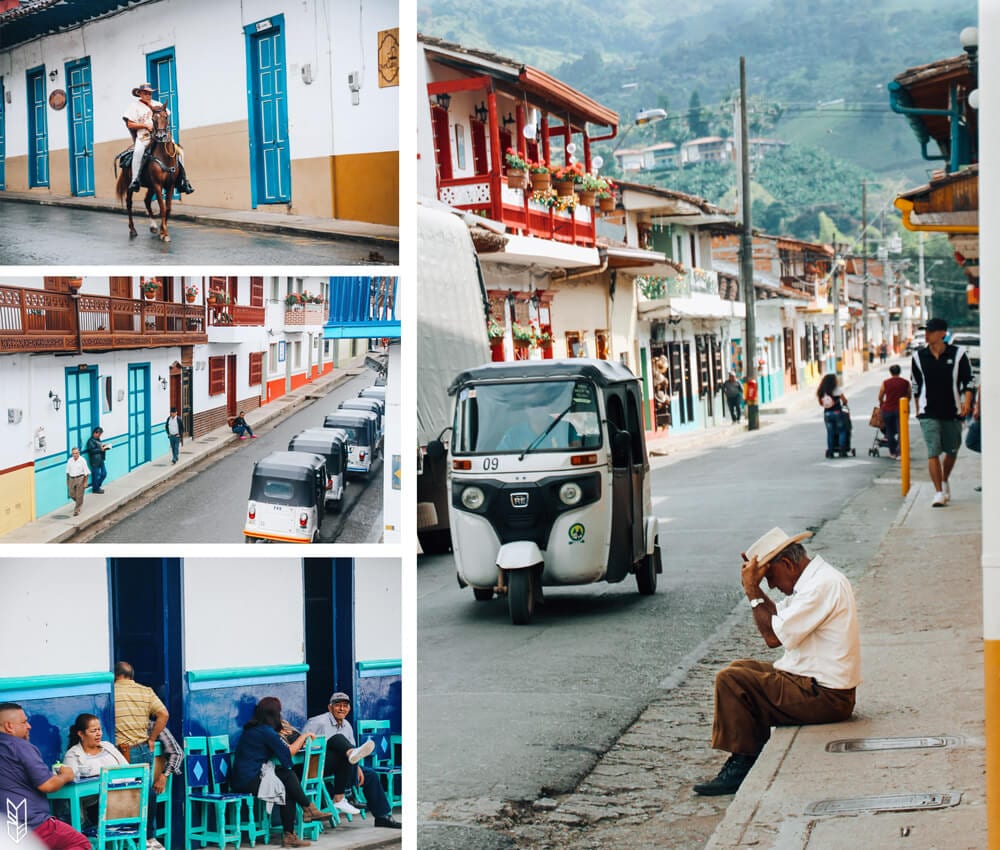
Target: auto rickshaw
(374, 391)
(362, 439)
(375, 405)
(331, 443)
(286, 502)
(549, 480)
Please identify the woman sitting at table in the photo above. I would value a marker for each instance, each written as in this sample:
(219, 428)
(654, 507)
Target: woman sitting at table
(261, 741)
(87, 754)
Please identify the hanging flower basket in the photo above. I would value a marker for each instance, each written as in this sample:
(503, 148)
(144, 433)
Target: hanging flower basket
(540, 180)
(517, 178)
(606, 204)
(564, 188)
(587, 197)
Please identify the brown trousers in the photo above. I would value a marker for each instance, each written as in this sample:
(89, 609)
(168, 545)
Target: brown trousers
(751, 697)
(77, 487)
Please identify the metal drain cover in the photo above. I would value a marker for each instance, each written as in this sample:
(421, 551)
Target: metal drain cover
(886, 803)
(864, 745)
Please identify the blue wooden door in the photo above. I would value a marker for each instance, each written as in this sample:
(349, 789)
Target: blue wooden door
(82, 408)
(3, 140)
(271, 173)
(38, 129)
(81, 128)
(138, 414)
(161, 71)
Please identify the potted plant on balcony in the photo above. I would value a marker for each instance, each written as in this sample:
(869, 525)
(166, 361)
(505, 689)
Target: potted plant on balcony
(190, 293)
(541, 178)
(217, 297)
(523, 337)
(544, 340)
(565, 178)
(294, 300)
(495, 331)
(606, 197)
(517, 170)
(149, 286)
(546, 197)
(588, 188)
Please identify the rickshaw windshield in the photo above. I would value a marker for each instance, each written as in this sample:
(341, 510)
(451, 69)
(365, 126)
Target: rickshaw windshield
(300, 493)
(523, 416)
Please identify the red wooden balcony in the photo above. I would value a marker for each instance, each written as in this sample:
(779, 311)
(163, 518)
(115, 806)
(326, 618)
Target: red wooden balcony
(235, 315)
(489, 195)
(39, 320)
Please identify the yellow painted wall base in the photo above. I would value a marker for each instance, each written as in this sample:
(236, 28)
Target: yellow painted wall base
(17, 504)
(366, 187)
(991, 697)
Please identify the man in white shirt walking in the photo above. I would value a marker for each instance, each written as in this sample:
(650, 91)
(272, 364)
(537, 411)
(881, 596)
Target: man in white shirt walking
(813, 682)
(77, 473)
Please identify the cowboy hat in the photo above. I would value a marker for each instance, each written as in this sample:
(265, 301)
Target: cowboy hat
(143, 87)
(772, 543)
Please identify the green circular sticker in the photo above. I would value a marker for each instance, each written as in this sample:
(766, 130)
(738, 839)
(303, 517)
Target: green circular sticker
(576, 532)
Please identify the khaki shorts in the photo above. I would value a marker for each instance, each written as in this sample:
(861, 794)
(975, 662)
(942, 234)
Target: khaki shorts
(941, 436)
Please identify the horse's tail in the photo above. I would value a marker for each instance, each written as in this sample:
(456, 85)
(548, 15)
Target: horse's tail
(124, 179)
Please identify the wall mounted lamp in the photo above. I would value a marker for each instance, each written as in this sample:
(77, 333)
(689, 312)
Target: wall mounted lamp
(163, 382)
(482, 113)
(53, 73)
(56, 401)
(510, 119)
(444, 101)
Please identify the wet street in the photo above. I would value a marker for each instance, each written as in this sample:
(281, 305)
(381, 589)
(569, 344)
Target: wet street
(37, 234)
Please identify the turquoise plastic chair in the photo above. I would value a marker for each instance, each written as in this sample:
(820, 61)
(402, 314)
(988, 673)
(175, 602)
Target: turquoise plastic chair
(209, 817)
(164, 833)
(383, 760)
(220, 758)
(122, 809)
(313, 765)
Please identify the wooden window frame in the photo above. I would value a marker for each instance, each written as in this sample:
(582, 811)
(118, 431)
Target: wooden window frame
(216, 375)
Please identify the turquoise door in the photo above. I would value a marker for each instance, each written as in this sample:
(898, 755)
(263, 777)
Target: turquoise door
(82, 406)
(81, 128)
(161, 71)
(138, 415)
(270, 162)
(38, 129)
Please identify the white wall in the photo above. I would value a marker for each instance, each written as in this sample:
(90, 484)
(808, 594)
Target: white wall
(243, 613)
(54, 616)
(377, 609)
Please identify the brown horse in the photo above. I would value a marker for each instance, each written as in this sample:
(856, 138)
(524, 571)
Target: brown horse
(163, 171)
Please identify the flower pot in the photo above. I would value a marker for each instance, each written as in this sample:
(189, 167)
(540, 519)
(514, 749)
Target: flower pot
(522, 349)
(496, 349)
(517, 178)
(564, 187)
(150, 295)
(541, 181)
(189, 298)
(606, 204)
(587, 197)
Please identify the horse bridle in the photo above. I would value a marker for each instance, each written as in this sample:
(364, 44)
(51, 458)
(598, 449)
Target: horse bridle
(162, 136)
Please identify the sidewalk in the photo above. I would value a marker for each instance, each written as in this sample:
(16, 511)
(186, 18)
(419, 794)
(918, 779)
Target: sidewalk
(61, 526)
(920, 604)
(258, 219)
(358, 834)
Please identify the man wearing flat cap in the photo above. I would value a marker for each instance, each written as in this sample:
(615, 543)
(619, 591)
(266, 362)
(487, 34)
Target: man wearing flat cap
(342, 757)
(813, 682)
(942, 380)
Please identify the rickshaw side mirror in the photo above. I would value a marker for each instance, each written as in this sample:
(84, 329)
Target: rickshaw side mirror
(621, 446)
(435, 450)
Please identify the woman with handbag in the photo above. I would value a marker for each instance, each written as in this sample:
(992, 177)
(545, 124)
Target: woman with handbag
(892, 390)
(834, 403)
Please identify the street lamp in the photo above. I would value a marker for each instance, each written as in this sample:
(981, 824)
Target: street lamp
(642, 117)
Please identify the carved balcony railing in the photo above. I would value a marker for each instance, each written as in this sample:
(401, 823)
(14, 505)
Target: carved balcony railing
(235, 315)
(41, 320)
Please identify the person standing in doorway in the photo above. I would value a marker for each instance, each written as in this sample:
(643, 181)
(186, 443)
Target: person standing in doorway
(732, 390)
(892, 390)
(175, 433)
(77, 473)
(96, 453)
(942, 388)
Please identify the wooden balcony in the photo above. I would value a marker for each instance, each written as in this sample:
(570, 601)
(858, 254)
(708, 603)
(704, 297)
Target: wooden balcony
(38, 320)
(489, 195)
(235, 315)
(305, 315)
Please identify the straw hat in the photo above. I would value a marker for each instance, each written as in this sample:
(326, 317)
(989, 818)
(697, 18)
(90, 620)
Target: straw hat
(766, 547)
(143, 87)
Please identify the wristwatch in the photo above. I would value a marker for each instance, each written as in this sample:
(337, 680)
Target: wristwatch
(755, 602)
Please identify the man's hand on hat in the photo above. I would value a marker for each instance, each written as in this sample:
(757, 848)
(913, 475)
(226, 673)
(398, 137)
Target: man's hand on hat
(751, 574)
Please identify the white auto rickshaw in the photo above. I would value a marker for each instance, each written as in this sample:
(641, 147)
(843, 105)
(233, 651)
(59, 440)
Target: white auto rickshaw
(549, 480)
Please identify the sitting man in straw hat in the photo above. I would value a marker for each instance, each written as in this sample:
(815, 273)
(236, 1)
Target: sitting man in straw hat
(139, 120)
(813, 682)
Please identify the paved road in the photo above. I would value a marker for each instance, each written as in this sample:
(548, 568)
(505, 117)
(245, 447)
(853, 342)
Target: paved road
(208, 505)
(518, 713)
(36, 234)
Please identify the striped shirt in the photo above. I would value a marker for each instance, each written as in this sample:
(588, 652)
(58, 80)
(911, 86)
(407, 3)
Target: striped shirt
(940, 382)
(134, 705)
(173, 753)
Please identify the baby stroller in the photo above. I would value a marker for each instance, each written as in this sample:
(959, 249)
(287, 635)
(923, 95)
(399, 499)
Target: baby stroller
(880, 440)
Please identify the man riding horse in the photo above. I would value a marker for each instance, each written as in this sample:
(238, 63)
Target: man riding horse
(139, 119)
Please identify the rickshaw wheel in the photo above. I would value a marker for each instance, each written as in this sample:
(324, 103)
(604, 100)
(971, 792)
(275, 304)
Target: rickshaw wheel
(520, 596)
(646, 570)
(483, 594)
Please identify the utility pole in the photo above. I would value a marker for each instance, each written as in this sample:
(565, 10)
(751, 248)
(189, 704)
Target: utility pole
(838, 352)
(746, 260)
(864, 274)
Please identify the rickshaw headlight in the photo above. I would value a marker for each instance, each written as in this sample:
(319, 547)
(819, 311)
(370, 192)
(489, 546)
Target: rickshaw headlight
(473, 498)
(570, 493)
(303, 519)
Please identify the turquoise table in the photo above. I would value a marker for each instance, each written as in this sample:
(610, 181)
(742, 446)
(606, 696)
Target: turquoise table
(74, 792)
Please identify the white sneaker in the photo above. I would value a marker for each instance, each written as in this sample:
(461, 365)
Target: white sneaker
(946, 490)
(346, 808)
(358, 753)
(940, 500)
